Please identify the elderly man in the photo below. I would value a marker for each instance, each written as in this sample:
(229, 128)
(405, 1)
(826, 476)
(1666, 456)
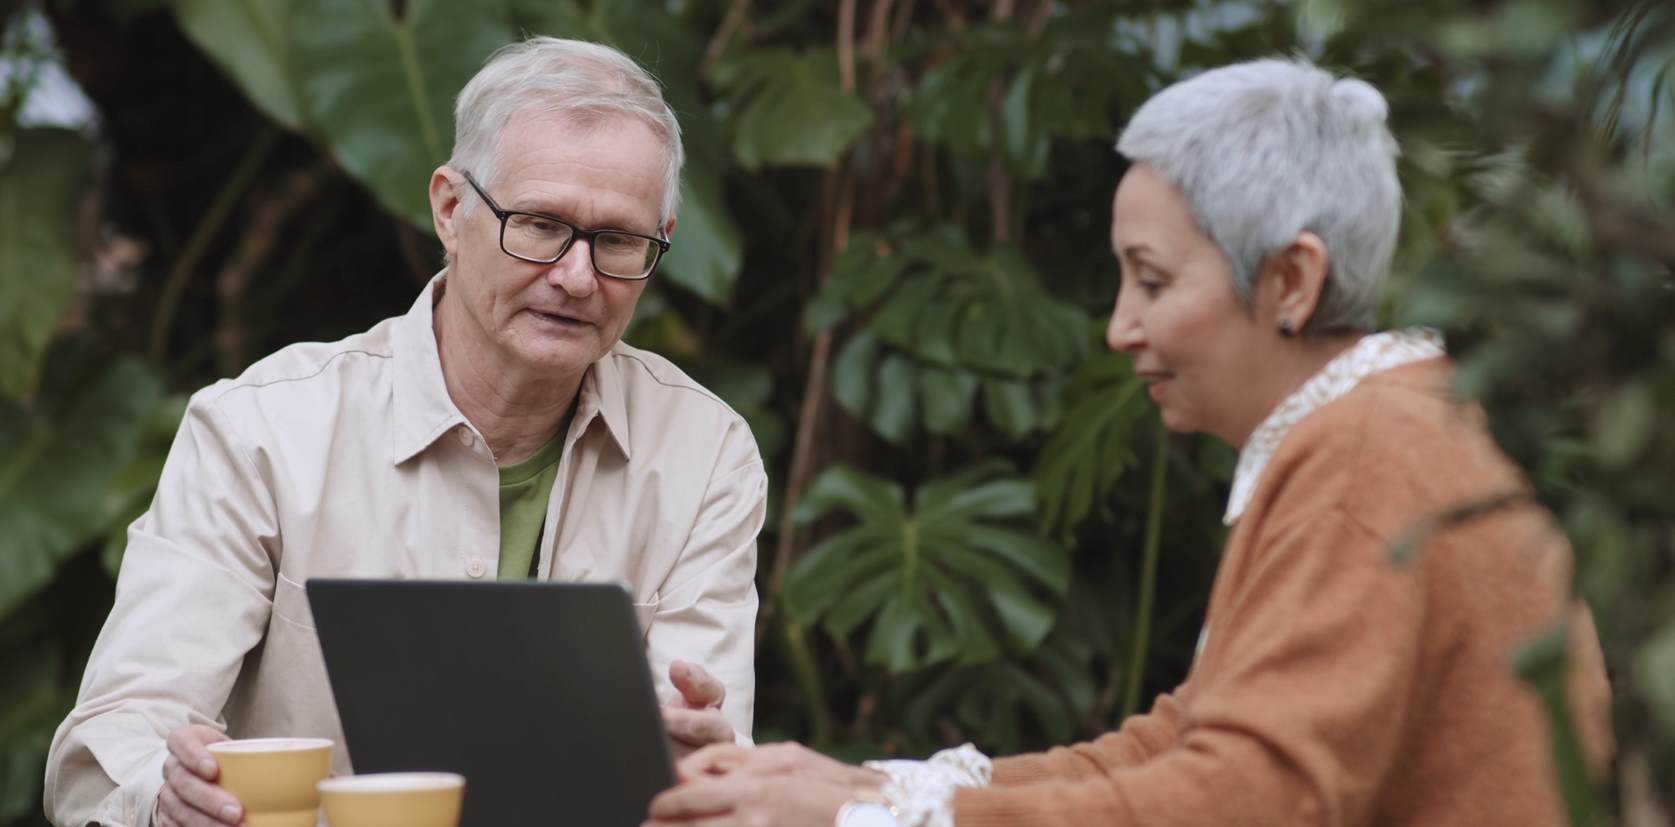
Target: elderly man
(499, 428)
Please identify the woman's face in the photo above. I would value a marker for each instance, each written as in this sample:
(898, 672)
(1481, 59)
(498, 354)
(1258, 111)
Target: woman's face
(1199, 349)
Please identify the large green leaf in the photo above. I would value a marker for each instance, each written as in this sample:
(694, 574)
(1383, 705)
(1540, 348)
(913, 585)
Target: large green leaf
(994, 702)
(55, 468)
(949, 580)
(248, 38)
(1068, 84)
(870, 498)
(1091, 448)
(946, 323)
(40, 185)
(380, 89)
(130, 492)
(31, 705)
(791, 109)
(707, 250)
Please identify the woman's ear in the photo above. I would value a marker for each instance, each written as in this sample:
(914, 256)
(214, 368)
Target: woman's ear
(1294, 282)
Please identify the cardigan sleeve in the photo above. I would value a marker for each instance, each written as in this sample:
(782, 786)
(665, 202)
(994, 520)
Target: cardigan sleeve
(1298, 721)
(1141, 738)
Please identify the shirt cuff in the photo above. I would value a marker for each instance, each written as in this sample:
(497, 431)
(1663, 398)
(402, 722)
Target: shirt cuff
(922, 792)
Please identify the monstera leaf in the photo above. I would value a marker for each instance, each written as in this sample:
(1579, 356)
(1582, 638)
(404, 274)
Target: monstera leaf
(948, 326)
(945, 578)
(1067, 84)
(1092, 447)
(55, 468)
(995, 703)
(40, 183)
(791, 109)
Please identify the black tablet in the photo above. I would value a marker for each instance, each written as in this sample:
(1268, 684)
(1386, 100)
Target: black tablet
(538, 693)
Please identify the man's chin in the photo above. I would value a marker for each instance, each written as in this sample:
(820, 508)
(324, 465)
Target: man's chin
(555, 354)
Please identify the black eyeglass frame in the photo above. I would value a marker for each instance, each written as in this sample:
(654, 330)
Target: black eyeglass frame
(576, 232)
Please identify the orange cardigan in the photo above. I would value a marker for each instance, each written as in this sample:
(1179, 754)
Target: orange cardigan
(1336, 687)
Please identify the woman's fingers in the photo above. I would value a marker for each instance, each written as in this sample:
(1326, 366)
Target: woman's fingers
(716, 759)
(703, 798)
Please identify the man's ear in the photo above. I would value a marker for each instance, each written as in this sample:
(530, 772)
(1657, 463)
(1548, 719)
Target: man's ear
(1294, 280)
(444, 209)
(669, 228)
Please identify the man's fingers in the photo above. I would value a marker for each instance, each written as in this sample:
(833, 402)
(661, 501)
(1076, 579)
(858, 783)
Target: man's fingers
(200, 795)
(696, 727)
(697, 687)
(177, 813)
(187, 745)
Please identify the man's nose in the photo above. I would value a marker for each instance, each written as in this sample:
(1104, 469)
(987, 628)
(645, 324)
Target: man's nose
(573, 272)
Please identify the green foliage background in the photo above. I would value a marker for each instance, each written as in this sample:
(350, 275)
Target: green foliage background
(893, 260)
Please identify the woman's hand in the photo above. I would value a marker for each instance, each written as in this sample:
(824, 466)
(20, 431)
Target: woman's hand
(746, 800)
(786, 759)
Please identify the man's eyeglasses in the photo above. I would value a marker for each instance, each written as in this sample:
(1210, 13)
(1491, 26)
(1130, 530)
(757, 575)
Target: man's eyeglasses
(543, 239)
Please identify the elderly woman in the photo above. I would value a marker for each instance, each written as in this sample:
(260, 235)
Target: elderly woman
(1332, 685)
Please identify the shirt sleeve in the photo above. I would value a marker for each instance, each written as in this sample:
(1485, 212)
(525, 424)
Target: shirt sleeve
(193, 597)
(1323, 615)
(1141, 738)
(706, 610)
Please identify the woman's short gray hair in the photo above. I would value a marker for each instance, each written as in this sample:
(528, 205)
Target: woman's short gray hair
(582, 81)
(1270, 148)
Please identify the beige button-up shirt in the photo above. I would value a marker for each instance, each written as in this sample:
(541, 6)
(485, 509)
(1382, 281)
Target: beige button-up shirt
(350, 460)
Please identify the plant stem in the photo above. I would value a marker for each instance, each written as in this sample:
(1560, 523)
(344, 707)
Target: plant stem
(808, 679)
(219, 210)
(1148, 575)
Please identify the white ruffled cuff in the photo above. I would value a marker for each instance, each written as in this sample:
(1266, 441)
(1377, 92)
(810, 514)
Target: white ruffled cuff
(922, 792)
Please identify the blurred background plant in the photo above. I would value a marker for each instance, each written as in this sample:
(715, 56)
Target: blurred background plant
(978, 530)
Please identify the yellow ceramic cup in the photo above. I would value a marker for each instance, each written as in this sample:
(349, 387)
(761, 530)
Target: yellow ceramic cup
(274, 778)
(393, 799)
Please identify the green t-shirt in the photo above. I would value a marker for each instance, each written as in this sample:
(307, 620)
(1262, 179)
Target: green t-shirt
(524, 490)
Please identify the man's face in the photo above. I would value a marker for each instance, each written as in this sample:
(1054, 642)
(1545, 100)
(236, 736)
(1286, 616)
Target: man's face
(562, 316)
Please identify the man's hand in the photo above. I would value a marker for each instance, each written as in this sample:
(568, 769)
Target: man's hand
(696, 721)
(190, 797)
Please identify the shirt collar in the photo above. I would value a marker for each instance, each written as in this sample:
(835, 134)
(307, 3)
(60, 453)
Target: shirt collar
(423, 410)
(1372, 354)
(602, 397)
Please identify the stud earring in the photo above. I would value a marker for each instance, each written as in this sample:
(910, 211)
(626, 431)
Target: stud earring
(1285, 328)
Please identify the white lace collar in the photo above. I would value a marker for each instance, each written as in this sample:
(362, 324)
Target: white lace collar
(1374, 353)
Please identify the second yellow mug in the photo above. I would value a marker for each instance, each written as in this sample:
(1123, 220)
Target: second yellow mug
(393, 799)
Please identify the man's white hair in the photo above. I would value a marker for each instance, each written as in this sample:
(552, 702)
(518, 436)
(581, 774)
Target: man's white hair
(1268, 149)
(586, 83)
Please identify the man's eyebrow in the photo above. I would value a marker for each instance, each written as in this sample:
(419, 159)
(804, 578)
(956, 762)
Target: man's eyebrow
(543, 208)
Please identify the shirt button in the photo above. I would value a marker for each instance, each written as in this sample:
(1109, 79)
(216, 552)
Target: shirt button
(475, 568)
(466, 438)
